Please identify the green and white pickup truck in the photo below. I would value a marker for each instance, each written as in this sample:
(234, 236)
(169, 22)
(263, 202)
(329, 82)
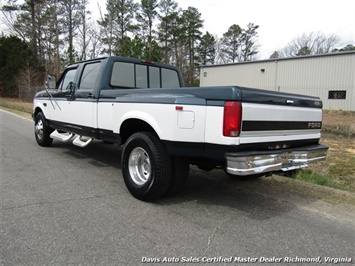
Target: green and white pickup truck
(164, 127)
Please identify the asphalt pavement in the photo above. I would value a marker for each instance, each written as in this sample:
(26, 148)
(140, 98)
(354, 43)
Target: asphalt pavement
(66, 205)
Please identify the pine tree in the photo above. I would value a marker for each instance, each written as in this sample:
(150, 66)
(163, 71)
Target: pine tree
(231, 43)
(248, 50)
(107, 26)
(53, 36)
(73, 19)
(148, 13)
(125, 15)
(116, 24)
(15, 54)
(168, 16)
(207, 49)
(192, 25)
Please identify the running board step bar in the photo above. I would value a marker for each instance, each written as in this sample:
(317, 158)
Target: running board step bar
(80, 141)
(61, 136)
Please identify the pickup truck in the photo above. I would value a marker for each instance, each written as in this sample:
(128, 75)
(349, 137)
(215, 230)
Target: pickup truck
(165, 127)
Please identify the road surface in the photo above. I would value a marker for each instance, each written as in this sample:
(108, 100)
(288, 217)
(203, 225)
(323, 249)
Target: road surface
(65, 205)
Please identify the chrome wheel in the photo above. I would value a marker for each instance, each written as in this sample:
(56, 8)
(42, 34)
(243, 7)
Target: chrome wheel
(146, 167)
(39, 129)
(42, 131)
(139, 166)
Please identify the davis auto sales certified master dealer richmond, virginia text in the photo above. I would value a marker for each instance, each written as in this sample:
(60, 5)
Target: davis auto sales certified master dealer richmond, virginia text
(236, 259)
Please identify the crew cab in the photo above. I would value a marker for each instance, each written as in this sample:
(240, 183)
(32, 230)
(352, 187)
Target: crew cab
(165, 127)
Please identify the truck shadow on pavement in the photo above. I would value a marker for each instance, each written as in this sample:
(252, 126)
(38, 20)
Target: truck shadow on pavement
(217, 189)
(98, 153)
(212, 189)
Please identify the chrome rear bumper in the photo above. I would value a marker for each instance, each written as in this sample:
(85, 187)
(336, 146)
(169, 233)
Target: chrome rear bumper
(249, 163)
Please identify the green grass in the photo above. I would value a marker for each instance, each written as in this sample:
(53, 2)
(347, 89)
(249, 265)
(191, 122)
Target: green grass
(309, 176)
(322, 180)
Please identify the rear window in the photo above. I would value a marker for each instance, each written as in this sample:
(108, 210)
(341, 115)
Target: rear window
(130, 75)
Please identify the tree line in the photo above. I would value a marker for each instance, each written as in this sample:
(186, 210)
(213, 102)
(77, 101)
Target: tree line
(59, 32)
(311, 44)
(45, 35)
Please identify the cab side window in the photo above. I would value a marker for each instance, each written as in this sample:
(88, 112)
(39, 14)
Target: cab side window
(169, 78)
(123, 75)
(89, 76)
(67, 79)
(133, 75)
(154, 77)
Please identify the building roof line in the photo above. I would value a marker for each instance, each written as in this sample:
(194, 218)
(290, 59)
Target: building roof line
(282, 59)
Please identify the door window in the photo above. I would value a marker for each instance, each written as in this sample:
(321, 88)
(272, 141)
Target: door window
(89, 76)
(67, 80)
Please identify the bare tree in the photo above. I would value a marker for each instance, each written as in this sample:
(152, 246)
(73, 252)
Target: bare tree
(29, 79)
(220, 55)
(95, 46)
(82, 39)
(310, 44)
(106, 24)
(8, 19)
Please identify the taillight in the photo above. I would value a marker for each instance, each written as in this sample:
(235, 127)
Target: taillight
(232, 119)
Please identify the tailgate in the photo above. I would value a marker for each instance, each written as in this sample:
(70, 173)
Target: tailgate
(279, 118)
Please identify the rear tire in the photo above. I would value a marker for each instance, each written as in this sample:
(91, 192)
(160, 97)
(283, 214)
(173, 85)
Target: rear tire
(181, 169)
(42, 131)
(146, 167)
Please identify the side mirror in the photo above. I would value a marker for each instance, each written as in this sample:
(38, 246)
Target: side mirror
(51, 82)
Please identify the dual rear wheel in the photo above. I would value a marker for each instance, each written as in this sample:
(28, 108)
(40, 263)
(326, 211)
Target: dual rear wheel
(148, 171)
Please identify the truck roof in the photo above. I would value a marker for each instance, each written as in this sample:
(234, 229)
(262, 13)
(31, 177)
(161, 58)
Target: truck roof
(126, 59)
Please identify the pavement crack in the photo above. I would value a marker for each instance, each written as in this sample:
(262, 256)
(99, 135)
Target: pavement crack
(210, 238)
(55, 202)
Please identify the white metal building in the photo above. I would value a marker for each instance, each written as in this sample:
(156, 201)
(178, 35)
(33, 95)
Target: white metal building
(329, 76)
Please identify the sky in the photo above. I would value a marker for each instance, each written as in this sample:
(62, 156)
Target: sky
(280, 21)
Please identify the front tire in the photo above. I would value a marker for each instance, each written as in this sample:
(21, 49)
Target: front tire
(42, 131)
(146, 167)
